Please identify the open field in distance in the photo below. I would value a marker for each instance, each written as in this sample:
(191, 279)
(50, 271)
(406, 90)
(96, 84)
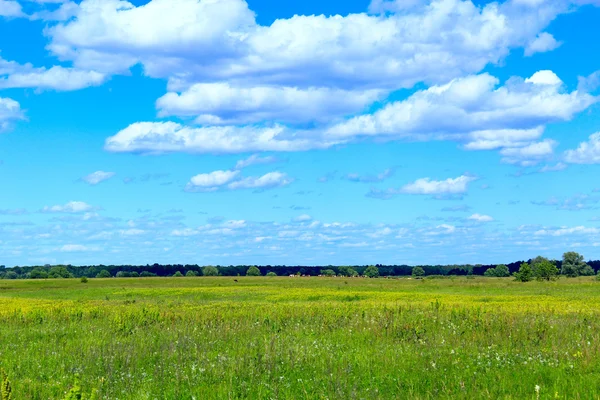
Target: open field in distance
(302, 338)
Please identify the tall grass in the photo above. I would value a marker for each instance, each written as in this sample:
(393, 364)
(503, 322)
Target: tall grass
(313, 338)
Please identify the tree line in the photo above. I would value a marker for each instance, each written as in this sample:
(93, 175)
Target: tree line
(572, 264)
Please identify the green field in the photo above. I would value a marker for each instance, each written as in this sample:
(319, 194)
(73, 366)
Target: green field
(302, 338)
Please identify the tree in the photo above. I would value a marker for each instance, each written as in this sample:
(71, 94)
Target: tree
(573, 264)
(103, 274)
(587, 271)
(490, 272)
(372, 272)
(271, 273)
(191, 273)
(122, 274)
(38, 273)
(210, 271)
(418, 272)
(525, 273)
(59, 272)
(253, 271)
(11, 275)
(177, 274)
(501, 271)
(347, 271)
(546, 271)
(327, 272)
(146, 274)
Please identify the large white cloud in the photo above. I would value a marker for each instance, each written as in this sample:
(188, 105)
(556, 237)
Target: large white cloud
(222, 103)
(474, 110)
(190, 41)
(160, 137)
(10, 111)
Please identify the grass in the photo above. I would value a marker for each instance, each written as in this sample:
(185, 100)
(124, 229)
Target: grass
(302, 338)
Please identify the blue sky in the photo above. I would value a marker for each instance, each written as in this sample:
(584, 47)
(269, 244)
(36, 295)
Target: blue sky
(298, 132)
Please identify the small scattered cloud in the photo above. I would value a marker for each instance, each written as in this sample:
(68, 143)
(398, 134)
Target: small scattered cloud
(97, 177)
(72, 207)
(353, 177)
(481, 218)
(542, 43)
(255, 159)
(460, 208)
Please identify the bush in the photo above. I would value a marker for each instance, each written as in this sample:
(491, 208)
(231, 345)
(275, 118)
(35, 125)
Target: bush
(210, 271)
(177, 274)
(134, 274)
(327, 272)
(253, 271)
(84, 279)
(38, 273)
(191, 273)
(587, 271)
(146, 274)
(372, 272)
(103, 274)
(122, 274)
(271, 273)
(418, 272)
(525, 273)
(59, 272)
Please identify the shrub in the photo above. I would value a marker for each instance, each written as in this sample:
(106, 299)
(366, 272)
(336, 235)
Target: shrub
(210, 271)
(587, 271)
(84, 279)
(146, 274)
(103, 274)
(525, 273)
(327, 272)
(122, 274)
(418, 272)
(372, 272)
(134, 274)
(38, 273)
(59, 272)
(177, 274)
(253, 271)
(271, 273)
(191, 273)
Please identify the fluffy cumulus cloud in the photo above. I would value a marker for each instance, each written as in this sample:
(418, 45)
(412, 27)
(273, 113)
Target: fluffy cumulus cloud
(221, 103)
(15, 75)
(587, 152)
(161, 137)
(97, 177)
(474, 110)
(231, 180)
(194, 41)
(10, 111)
(72, 207)
(542, 43)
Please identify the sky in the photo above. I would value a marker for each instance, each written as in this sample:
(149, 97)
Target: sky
(293, 132)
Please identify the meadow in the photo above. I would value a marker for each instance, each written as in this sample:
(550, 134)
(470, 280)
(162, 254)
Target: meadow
(301, 338)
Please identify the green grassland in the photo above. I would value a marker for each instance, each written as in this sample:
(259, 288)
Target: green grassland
(302, 338)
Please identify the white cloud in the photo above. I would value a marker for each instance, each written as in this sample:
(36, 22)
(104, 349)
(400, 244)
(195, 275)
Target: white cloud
(10, 111)
(542, 43)
(222, 104)
(529, 155)
(587, 152)
(71, 248)
(162, 137)
(213, 179)
(97, 177)
(255, 159)
(303, 218)
(192, 41)
(428, 186)
(267, 181)
(473, 110)
(65, 11)
(72, 207)
(132, 232)
(481, 218)
(563, 231)
(10, 9)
